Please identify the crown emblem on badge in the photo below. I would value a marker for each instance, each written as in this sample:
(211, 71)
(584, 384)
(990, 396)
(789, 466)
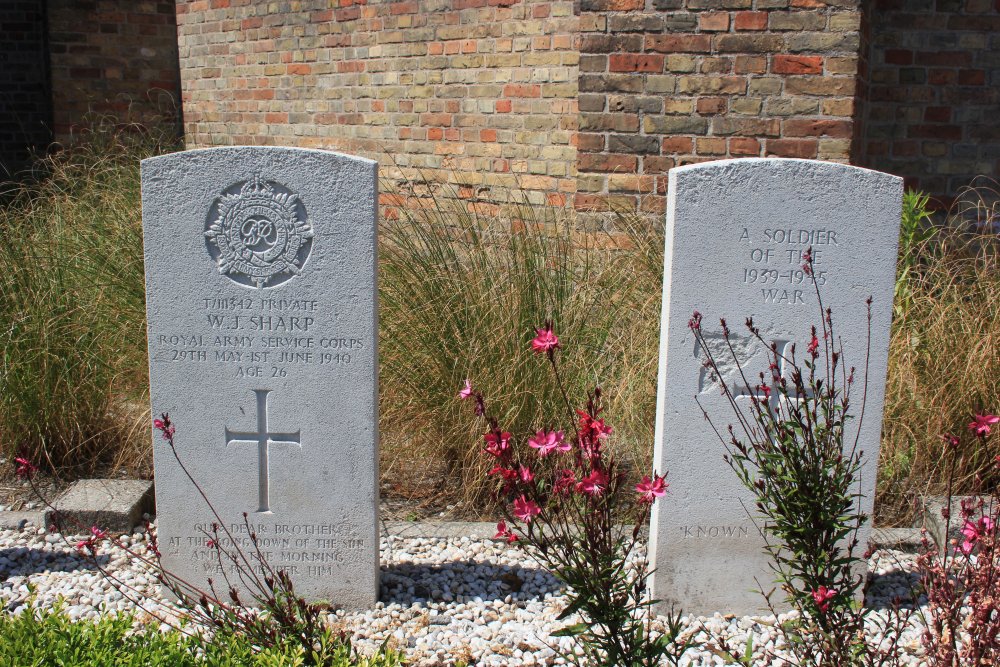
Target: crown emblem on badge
(258, 233)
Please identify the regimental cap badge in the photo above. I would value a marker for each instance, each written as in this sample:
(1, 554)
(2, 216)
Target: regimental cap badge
(258, 233)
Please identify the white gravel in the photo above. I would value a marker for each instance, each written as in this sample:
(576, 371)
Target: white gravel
(443, 600)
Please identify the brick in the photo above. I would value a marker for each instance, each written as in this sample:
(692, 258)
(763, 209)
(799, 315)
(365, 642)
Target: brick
(838, 107)
(814, 85)
(765, 86)
(611, 5)
(718, 4)
(615, 122)
(971, 77)
(674, 125)
(709, 106)
(750, 21)
(629, 62)
(949, 132)
(899, 56)
(713, 21)
(801, 148)
(787, 64)
(937, 114)
(679, 63)
(822, 42)
(746, 127)
(603, 162)
(678, 144)
(522, 90)
(633, 143)
(796, 21)
(750, 65)
(710, 146)
(679, 43)
(678, 106)
(741, 146)
(750, 106)
(804, 127)
(740, 43)
(716, 65)
(728, 85)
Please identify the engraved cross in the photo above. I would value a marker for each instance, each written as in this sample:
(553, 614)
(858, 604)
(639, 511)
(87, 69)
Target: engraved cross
(773, 399)
(264, 438)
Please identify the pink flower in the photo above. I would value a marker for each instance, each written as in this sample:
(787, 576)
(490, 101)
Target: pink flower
(164, 426)
(950, 440)
(97, 533)
(525, 509)
(973, 531)
(566, 481)
(547, 442)
(983, 424)
(594, 484)
(497, 444)
(25, 468)
(507, 474)
(592, 427)
(651, 489)
(814, 346)
(525, 473)
(822, 596)
(466, 391)
(504, 533)
(546, 340)
(695, 322)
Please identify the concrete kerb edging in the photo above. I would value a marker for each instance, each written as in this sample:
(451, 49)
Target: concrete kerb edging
(905, 539)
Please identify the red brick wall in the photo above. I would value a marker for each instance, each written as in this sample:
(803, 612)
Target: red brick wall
(474, 92)
(593, 102)
(114, 58)
(935, 92)
(25, 100)
(670, 82)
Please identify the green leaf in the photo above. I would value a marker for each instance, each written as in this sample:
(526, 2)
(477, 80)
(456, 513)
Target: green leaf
(574, 630)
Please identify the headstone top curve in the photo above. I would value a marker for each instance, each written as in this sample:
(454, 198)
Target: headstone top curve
(781, 162)
(212, 150)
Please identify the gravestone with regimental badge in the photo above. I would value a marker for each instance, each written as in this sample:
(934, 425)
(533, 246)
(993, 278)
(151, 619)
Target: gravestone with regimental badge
(735, 237)
(261, 305)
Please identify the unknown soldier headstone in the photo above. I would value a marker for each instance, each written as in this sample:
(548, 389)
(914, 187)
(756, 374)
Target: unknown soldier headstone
(261, 304)
(736, 231)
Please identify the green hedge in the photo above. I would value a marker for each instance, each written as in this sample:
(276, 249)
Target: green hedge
(51, 639)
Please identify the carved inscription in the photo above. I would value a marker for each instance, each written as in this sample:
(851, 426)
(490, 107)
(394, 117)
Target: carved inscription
(260, 337)
(298, 549)
(774, 262)
(715, 531)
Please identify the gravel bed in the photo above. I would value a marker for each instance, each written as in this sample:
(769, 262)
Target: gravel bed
(443, 600)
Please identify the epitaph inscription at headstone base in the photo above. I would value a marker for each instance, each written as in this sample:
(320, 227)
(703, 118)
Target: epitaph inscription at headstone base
(735, 235)
(261, 305)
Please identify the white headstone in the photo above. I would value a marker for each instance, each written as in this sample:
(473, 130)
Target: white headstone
(735, 234)
(261, 305)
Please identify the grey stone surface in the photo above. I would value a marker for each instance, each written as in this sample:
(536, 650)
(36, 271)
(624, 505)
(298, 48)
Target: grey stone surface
(12, 520)
(932, 518)
(261, 304)
(442, 529)
(116, 505)
(449, 529)
(735, 233)
(902, 539)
